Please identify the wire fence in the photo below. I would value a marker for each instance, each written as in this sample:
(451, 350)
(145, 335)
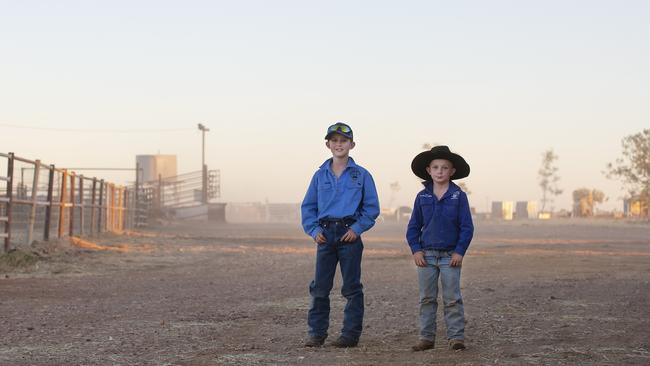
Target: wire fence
(40, 202)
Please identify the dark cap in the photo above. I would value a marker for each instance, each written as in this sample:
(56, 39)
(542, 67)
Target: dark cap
(340, 128)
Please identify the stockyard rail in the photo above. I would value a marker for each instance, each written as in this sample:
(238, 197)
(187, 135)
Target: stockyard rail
(39, 201)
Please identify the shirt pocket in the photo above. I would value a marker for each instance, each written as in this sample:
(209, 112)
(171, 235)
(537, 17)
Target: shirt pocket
(450, 209)
(354, 184)
(426, 205)
(325, 192)
(353, 193)
(324, 186)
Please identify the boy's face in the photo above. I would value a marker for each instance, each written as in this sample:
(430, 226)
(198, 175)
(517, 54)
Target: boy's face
(440, 170)
(339, 145)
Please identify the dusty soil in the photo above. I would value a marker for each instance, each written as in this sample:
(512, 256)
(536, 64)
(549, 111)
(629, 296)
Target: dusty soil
(541, 293)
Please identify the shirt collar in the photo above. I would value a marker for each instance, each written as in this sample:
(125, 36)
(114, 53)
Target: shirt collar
(428, 185)
(328, 163)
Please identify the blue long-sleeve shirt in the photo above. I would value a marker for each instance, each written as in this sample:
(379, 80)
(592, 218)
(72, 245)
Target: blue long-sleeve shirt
(353, 194)
(444, 224)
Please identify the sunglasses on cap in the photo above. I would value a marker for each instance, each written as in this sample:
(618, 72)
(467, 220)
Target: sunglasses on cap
(339, 127)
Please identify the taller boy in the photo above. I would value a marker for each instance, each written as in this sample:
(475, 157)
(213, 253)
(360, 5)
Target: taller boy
(341, 203)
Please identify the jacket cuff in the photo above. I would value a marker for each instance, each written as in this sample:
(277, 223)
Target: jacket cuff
(356, 228)
(460, 250)
(317, 230)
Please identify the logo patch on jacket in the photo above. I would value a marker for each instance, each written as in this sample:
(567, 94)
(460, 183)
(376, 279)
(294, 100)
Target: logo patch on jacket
(355, 174)
(455, 195)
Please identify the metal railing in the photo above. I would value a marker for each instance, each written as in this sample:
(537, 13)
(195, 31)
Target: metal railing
(56, 202)
(183, 190)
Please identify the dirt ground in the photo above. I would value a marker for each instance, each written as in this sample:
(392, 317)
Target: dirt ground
(567, 292)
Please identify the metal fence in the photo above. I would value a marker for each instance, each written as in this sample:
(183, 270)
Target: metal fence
(185, 190)
(39, 202)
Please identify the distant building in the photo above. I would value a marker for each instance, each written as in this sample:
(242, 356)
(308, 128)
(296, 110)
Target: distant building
(526, 210)
(502, 210)
(634, 207)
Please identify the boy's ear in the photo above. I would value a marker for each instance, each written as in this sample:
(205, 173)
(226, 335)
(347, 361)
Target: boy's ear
(453, 171)
(327, 143)
(352, 144)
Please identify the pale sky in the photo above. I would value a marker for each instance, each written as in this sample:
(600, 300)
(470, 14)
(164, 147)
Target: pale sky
(499, 82)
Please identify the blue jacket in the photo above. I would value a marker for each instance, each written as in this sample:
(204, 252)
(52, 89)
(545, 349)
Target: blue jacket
(353, 194)
(444, 224)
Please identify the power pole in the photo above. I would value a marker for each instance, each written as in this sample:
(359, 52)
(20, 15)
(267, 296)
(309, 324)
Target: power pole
(204, 168)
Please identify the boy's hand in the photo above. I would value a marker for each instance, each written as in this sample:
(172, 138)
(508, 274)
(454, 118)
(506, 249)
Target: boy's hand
(418, 257)
(320, 238)
(456, 260)
(349, 237)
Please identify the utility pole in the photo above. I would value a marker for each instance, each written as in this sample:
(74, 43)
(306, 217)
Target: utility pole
(204, 169)
(203, 130)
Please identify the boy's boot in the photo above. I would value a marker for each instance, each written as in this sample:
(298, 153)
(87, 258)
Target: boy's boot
(313, 341)
(456, 344)
(345, 342)
(423, 345)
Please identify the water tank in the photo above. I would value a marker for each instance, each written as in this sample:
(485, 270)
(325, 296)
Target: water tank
(151, 166)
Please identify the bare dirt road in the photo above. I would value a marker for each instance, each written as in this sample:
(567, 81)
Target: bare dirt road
(565, 292)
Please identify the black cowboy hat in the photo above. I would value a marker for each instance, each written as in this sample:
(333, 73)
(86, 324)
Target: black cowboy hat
(422, 160)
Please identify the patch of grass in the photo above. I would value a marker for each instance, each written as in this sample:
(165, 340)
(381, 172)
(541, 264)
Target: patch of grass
(18, 259)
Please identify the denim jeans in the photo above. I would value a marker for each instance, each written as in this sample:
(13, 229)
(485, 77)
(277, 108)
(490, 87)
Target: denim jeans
(327, 256)
(438, 267)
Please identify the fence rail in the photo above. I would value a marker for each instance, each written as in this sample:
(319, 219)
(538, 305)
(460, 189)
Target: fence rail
(43, 201)
(189, 189)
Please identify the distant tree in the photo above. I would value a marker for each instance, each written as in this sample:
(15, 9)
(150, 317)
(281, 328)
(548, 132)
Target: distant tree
(429, 145)
(634, 168)
(548, 177)
(394, 188)
(463, 186)
(585, 200)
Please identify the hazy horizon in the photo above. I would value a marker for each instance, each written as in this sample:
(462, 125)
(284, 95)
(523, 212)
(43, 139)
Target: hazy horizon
(93, 84)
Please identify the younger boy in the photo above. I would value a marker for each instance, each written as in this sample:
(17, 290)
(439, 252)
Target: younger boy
(439, 234)
(341, 203)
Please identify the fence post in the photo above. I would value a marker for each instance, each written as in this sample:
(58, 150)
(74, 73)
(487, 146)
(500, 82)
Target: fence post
(48, 208)
(32, 213)
(64, 188)
(204, 185)
(73, 178)
(81, 205)
(136, 196)
(10, 183)
(160, 193)
(125, 213)
(109, 212)
(112, 207)
(109, 204)
(92, 208)
(99, 211)
(118, 211)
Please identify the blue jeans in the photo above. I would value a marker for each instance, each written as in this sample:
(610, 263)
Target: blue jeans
(438, 267)
(327, 256)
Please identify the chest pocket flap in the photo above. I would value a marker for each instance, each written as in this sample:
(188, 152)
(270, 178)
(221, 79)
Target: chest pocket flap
(324, 186)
